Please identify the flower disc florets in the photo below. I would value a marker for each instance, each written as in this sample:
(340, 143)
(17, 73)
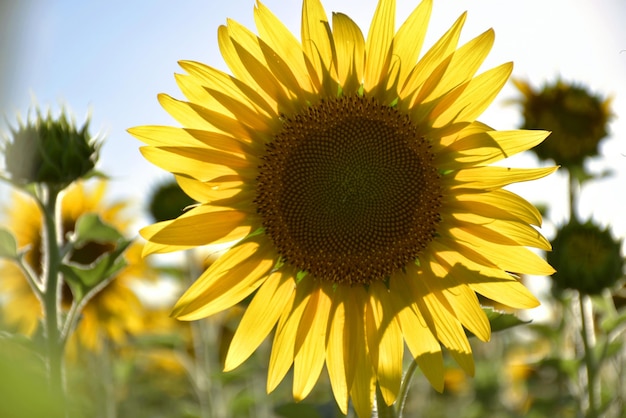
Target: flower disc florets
(348, 192)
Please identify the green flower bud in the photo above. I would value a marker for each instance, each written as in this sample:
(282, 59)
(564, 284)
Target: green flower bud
(577, 118)
(50, 151)
(586, 258)
(169, 201)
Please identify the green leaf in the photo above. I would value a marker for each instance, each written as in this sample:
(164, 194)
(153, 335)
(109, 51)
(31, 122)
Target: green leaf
(90, 228)
(8, 244)
(82, 279)
(610, 324)
(297, 410)
(500, 321)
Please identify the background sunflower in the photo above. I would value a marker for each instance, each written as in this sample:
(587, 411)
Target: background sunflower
(115, 312)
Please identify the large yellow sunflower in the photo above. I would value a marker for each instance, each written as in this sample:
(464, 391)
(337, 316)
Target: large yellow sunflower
(356, 184)
(112, 313)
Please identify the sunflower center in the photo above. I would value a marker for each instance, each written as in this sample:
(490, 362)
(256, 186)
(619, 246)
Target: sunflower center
(348, 192)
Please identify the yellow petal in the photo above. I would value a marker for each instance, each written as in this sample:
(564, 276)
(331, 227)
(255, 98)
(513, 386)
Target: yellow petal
(498, 231)
(468, 101)
(154, 248)
(510, 293)
(256, 60)
(193, 116)
(350, 47)
(491, 282)
(420, 340)
(461, 299)
(425, 348)
(496, 204)
(444, 325)
(509, 258)
(201, 225)
(317, 44)
(378, 44)
(171, 136)
(237, 67)
(278, 37)
(195, 93)
(204, 192)
(408, 42)
(201, 163)
(260, 317)
(458, 68)
(311, 343)
(476, 127)
(220, 81)
(487, 147)
(364, 384)
(228, 280)
(387, 346)
(343, 337)
(433, 58)
(284, 343)
(488, 178)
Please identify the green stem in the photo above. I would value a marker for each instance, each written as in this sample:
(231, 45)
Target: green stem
(201, 332)
(404, 388)
(573, 189)
(590, 364)
(51, 296)
(383, 410)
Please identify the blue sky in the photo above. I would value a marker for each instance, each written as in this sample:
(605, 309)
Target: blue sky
(112, 58)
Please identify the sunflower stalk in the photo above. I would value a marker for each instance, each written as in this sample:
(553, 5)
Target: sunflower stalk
(591, 365)
(382, 410)
(200, 374)
(404, 388)
(49, 200)
(574, 187)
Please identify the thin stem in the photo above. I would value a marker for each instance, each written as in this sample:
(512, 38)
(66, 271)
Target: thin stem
(592, 411)
(72, 316)
(52, 285)
(31, 278)
(382, 409)
(201, 332)
(573, 189)
(404, 388)
(202, 369)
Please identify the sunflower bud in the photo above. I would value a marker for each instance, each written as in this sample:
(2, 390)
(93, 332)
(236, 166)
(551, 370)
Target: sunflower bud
(168, 201)
(51, 151)
(577, 118)
(586, 258)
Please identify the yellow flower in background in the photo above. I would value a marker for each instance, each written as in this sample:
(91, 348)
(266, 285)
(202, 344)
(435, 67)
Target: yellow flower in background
(356, 186)
(114, 312)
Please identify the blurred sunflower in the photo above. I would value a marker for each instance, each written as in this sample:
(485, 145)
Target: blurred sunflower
(355, 182)
(112, 313)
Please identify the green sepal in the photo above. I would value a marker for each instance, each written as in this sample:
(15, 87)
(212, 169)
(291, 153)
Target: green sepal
(83, 279)
(300, 275)
(91, 228)
(8, 244)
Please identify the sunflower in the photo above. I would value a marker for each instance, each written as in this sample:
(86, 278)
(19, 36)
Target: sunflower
(357, 190)
(114, 312)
